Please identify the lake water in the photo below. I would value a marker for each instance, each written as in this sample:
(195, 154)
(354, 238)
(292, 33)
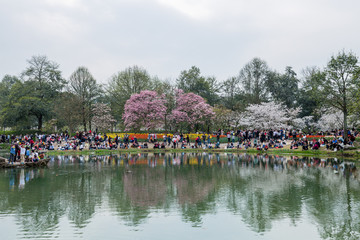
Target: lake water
(181, 196)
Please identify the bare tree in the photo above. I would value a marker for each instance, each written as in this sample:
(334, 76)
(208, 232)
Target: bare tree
(253, 77)
(84, 86)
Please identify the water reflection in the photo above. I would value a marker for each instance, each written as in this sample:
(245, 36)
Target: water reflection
(260, 189)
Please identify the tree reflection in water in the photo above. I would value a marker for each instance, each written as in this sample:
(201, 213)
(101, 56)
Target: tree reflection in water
(261, 189)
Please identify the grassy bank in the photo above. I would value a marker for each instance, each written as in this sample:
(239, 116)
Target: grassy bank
(5, 146)
(353, 153)
(322, 153)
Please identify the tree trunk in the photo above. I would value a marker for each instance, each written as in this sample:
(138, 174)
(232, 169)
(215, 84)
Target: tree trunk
(40, 122)
(83, 118)
(84, 124)
(345, 126)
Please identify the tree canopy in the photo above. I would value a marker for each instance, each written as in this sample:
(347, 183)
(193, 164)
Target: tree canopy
(134, 99)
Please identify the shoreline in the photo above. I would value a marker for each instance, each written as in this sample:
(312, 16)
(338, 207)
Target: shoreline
(319, 153)
(322, 152)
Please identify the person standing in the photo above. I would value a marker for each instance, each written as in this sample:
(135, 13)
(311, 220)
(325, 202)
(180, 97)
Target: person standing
(174, 141)
(17, 151)
(169, 140)
(22, 153)
(12, 154)
(27, 154)
(164, 138)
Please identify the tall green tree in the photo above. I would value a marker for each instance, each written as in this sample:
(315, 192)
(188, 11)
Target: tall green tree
(253, 77)
(68, 110)
(284, 87)
(84, 86)
(125, 83)
(192, 81)
(23, 109)
(44, 81)
(310, 98)
(6, 116)
(341, 83)
(231, 89)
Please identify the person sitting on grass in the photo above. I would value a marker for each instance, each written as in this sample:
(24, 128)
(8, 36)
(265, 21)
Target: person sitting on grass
(271, 143)
(334, 145)
(255, 142)
(156, 145)
(34, 156)
(316, 146)
(248, 144)
(294, 145)
(230, 146)
(305, 146)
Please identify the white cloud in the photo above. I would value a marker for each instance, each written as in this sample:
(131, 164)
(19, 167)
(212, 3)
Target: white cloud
(194, 9)
(63, 3)
(165, 37)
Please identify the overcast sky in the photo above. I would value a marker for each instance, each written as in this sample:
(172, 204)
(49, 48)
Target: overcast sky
(168, 36)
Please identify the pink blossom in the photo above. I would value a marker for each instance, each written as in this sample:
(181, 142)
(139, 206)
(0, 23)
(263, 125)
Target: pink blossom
(191, 109)
(145, 109)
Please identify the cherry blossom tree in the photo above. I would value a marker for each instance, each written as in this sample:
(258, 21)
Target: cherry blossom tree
(270, 115)
(191, 110)
(102, 118)
(305, 123)
(144, 110)
(330, 120)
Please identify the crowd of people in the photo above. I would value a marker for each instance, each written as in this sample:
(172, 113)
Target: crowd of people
(27, 147)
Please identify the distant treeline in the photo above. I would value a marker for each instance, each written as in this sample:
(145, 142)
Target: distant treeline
(41, 98)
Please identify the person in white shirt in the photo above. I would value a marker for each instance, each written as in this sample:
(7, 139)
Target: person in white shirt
(34, 156)
(22, 153)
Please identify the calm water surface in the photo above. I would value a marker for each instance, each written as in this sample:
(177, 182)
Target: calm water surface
(180, 196)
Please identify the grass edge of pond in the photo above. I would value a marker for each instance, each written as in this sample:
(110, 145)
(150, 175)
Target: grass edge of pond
(352, 154)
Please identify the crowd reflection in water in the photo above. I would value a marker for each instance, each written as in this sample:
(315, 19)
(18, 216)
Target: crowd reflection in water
(275, 162)
(18, 178)
(259, 188)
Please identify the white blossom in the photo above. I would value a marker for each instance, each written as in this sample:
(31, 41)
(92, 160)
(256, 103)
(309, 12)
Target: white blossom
(102, 118)
(269, 115)
(330, 120)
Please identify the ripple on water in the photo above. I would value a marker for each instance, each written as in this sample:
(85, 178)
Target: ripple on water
(196, 199)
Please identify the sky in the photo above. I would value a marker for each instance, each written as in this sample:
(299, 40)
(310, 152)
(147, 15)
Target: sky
(168, 36)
